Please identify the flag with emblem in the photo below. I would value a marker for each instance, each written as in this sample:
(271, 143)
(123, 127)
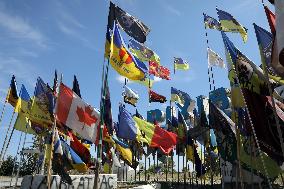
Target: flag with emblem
(131, 25)
(214, 59)
(142, 52)
(76, 114)
(230, 24)
(159, 71)
(211, 22)
(42, 104)
(123, 61)
(130, 97)
(265, 44)
(12, 95)
(155, 97)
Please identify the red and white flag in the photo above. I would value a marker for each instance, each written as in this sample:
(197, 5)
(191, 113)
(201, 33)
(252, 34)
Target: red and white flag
(76, 114)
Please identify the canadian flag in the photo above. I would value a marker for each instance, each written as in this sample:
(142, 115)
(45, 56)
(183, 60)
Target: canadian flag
(76, 114)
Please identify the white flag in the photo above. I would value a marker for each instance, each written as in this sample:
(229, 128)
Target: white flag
(214, 59)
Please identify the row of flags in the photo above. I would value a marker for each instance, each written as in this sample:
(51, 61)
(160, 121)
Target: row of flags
(80, 121)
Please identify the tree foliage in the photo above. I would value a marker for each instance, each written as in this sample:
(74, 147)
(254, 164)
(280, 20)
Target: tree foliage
(7, 166)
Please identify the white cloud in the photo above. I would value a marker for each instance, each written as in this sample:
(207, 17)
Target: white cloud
(20, 28)
(172, 10)
(71, 20)
(157, 79)
(121, 79)
(12, 66)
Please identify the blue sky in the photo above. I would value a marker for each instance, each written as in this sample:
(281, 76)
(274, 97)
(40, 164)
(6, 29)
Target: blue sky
(38, 37)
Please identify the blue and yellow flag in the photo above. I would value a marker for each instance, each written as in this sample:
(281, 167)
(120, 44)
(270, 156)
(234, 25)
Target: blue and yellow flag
(244, 70)
(142, 52)
(23, 101)
(180, 64)
(42, 104)
(77, 162)
(211, 22)
(230, 24)
(182, 98)
(122, 60)
(265, 43)
(123, 149)
(22, 108)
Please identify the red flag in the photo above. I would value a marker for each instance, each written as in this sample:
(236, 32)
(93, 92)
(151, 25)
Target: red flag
(76, 114)
(81, 150)
(163, 139)
(159, 71)
(271, 20)
(164, 73)
(155, 97)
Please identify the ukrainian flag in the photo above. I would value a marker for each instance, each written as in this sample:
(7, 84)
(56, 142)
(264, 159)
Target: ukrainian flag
(22, 107)
(77, 162)
(123, 61)
(230, 24)
(123, 149)
(180, 64)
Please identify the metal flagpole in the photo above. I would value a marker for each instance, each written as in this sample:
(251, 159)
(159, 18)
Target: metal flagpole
(22, 156)
(4, 107)
(148, 169)
(53, 136)
(145, 167)
(154, 155)
(9, 140)
(5, 140)
(172, 156)
(15, 159)
(184, 171)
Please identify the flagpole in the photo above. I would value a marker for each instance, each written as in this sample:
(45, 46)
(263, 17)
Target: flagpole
(10, 124)
(209, 69)
(15, 159)
(6, 137)
(4, 108)
(49, 166)
(9, 140)
(252, 126)
(174, 67)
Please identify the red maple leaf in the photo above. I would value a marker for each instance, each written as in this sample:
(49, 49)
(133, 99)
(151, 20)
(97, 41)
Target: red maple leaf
(86, 116)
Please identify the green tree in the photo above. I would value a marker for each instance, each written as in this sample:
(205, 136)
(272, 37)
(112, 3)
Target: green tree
(29, 161)
(7, 166)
